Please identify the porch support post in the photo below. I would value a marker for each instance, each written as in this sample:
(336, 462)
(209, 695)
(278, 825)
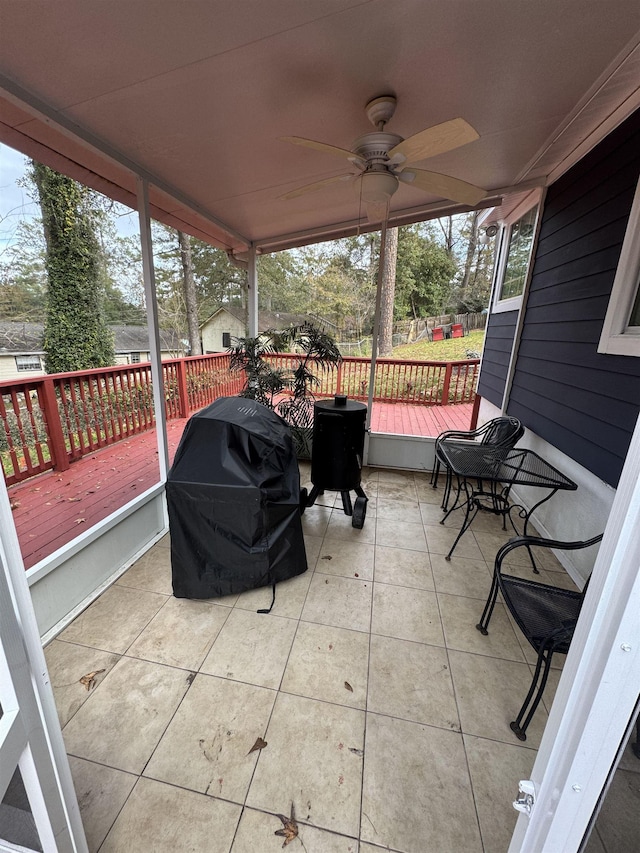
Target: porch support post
(597, 698)
(148, 272)
(252, 287)
(374, 340)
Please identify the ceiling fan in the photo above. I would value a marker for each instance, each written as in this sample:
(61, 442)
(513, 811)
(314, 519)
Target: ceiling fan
(382, 159)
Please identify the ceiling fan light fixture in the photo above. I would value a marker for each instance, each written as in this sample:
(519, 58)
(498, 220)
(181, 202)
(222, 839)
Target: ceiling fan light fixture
(376, 189)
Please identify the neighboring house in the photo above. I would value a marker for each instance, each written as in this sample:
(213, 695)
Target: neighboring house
(22, 354)
(562, 349)
(227, 323)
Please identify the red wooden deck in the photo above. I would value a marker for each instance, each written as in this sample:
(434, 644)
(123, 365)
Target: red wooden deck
(51, 509)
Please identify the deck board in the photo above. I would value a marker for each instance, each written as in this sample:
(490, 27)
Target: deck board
(51, 509)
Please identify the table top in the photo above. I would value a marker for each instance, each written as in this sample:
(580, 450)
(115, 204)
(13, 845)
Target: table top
(515, 466)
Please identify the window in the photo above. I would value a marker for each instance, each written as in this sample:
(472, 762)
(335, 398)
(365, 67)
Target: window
(226, 339)
(135, 358)
(28, 362)
(621, 327)
(514, 255)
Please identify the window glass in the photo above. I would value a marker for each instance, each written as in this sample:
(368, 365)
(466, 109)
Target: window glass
(634, 319)
(518, 254)
(135, 358)
(226, 339)
(28, 362)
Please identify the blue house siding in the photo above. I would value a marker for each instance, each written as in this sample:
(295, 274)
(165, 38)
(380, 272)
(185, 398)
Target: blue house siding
(496, 355)
(582, 402)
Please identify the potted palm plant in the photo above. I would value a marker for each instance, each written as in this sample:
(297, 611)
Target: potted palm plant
(290, 392)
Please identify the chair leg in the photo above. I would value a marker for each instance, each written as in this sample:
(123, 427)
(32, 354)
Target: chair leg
(483, 624)
(544, 664)
(435, 473)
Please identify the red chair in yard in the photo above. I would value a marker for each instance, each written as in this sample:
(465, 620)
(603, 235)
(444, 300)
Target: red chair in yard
(457, 331)
(437, 334)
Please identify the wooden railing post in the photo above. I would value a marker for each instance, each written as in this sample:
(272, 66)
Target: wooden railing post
(57, 443)
(446, 384)
(183, 394)
(475, 411)
(339, 379)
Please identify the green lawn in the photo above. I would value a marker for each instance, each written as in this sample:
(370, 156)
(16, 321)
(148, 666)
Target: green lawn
(451, 350)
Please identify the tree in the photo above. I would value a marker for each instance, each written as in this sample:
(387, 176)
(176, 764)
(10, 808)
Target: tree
(190, 301)
(424, 273)
(76, 336)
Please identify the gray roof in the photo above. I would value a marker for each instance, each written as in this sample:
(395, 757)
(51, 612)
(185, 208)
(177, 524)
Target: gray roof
(266, 319)
(22, 338)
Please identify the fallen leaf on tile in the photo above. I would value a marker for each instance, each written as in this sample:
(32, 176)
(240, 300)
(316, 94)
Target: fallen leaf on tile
(328, 557)
(289, 829)
(348, 686)
(356, 751)
(89, 680)
(259, 744)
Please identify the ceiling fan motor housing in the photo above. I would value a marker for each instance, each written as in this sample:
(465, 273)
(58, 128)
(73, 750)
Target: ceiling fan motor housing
(373, 147)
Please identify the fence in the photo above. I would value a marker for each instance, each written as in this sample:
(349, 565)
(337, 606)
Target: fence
(48, 422)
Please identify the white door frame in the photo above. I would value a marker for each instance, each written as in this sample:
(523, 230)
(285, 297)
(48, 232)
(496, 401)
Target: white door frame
(30, 734)
(598, 691)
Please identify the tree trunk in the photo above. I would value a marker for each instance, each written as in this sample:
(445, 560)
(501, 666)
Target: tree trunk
(190, 301)
(385, 340)
(471, 252)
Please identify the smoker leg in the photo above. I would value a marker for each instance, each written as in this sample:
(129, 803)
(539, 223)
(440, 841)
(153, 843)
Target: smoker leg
(315, 492)
(346, 502)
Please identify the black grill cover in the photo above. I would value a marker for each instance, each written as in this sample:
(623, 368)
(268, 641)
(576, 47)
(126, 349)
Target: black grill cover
(233, 495)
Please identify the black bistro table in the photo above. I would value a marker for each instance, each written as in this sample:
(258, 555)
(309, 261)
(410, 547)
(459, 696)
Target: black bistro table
(486, 476)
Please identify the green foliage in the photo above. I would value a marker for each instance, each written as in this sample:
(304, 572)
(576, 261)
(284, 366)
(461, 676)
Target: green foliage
(76, 336)
(424, 273)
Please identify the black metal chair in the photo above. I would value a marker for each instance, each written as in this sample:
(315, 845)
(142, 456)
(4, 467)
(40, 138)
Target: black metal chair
(504, 432)
(545, 614)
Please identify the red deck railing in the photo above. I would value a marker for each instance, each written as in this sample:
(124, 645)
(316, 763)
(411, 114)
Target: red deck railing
(50, 421)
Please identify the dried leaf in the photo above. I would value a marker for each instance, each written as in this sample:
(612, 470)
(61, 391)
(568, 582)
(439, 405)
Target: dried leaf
(348, 686)
(289, 829)
(73, 500)
(259, 744)
(327, 557)
(80, 520)
(356, 751)
(89, 680)
(15, 504)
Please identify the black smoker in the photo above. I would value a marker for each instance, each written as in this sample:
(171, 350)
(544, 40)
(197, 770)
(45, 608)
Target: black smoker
(336, 456)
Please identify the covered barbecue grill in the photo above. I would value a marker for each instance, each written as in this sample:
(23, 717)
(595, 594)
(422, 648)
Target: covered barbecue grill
(233, 495)
(336, 456)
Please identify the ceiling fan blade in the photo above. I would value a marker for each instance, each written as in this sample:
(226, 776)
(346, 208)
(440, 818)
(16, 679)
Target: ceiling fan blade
(318, 146)
(311, 188)
(442, 185)
(434, 140)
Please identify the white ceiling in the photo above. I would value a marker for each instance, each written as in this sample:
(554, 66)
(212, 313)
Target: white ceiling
(193, 95)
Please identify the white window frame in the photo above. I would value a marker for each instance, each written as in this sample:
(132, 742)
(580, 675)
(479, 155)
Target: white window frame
(617, 337)
(136, 357)
(25, 367)
(513, 303)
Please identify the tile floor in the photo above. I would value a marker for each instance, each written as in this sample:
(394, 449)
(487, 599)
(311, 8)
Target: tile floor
(384, 710)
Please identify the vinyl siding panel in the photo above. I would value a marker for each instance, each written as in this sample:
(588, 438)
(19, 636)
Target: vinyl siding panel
(496, 355)
(583, 402)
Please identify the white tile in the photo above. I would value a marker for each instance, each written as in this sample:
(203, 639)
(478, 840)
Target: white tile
(101, 792)
(290, 597)
(417, 794)
(407, 614)
(207, 745)
(67, 664)
(122, 721)
(400, 534)
(403, 568)
(313, 760)
(252, 647)
(256, 834)
(325, 659)
(342, 602)
(181, 634)
(348, 559)
(165, 819)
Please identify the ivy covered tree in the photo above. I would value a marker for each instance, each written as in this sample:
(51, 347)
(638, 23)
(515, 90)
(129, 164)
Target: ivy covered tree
(76, 336)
